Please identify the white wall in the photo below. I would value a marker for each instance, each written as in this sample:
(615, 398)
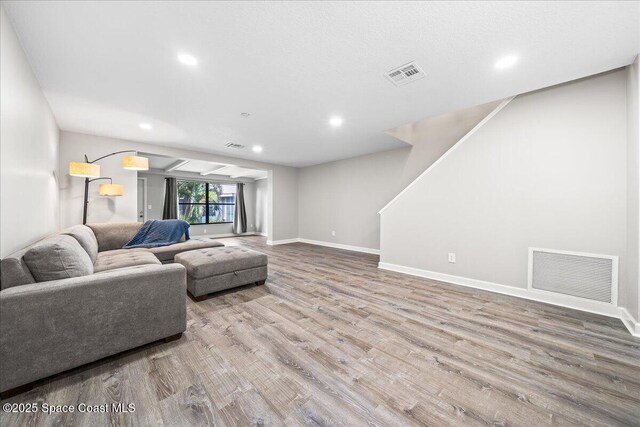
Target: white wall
(262, 204)
(630, 293)
(283, 185)
(345, 196)
(549, 170)
(432, 137)
(73, 146)
(29, 150)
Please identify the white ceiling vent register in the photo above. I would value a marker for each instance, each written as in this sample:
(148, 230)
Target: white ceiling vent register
(234, 146)
(589, 276)
(404, 74)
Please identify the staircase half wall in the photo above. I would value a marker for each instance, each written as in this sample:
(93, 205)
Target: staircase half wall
(338, 202)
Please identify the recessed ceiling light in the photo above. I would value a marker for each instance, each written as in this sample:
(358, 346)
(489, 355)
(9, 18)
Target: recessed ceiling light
(145, 126)
(506, 62)
(187, 59)
(335, 121)
(257, 149)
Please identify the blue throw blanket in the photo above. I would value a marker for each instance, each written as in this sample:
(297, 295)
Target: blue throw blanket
(154, 233)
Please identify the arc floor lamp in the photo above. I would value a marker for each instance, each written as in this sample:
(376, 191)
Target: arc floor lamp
(90, 171)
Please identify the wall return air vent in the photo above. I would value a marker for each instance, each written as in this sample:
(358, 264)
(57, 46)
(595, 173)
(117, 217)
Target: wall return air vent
(576, 274)
(234, 146)
(404, 74)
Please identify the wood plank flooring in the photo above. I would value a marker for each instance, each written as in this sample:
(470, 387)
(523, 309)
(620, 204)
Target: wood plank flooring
(332, 340)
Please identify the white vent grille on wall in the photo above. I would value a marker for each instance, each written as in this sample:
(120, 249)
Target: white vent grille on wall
(404, 74)
(589, 276)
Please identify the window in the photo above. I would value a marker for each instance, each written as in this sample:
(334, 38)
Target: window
(206, 202)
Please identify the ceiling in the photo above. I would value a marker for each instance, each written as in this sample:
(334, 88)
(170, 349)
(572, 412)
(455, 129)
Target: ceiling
(201, 167)
(107, 66)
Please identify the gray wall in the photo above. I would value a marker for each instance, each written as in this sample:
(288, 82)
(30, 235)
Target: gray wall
(630, 293)
(155, 194)
(345, 196)
(549, 170)
(155, 198)
(29, 205)
(283, 189)
(262, 204)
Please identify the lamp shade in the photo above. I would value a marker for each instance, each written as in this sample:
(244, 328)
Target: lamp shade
(110, 190)
(135, 163)
(85, 170)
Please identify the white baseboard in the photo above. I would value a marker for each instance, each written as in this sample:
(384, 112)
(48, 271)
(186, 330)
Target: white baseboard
(555, 299)
(281, 242)
(327, 244)
(262, 234)
(340, 246)
(215, 236)
(630, 322)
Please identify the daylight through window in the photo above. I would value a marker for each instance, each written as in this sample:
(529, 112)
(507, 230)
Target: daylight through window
(206, 202)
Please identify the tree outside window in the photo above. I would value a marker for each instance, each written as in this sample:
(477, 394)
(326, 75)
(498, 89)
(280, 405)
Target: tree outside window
(206, 202)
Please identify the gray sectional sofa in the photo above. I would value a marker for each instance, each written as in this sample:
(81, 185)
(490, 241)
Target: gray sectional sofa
(76, 297)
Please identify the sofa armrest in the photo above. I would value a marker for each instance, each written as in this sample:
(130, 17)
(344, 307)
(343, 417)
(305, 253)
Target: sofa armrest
(49, 327)
(121, 275)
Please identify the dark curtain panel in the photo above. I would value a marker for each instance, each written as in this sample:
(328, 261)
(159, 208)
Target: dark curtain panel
(240, 217)
(170, 208)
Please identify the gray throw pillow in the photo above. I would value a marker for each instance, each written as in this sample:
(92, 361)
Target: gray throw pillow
(58, 257)
(84, 235)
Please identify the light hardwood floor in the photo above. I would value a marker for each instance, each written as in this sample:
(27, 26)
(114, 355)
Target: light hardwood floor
(332, 340)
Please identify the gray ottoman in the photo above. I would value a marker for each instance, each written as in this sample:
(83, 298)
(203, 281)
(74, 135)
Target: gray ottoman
(216, 269)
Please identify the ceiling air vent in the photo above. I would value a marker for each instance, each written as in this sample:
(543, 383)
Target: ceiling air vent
(234, 146)
(404, 74)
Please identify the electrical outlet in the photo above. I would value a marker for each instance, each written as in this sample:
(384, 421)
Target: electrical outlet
(452, 257)
(149, 207)
(333, 232)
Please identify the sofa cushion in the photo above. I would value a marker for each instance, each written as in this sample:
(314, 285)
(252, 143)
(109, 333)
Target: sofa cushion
(58, 257)
(114, 235)
(84, 235)
(201, 263)
(166, 253)
(111, 260)
(14, 270)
